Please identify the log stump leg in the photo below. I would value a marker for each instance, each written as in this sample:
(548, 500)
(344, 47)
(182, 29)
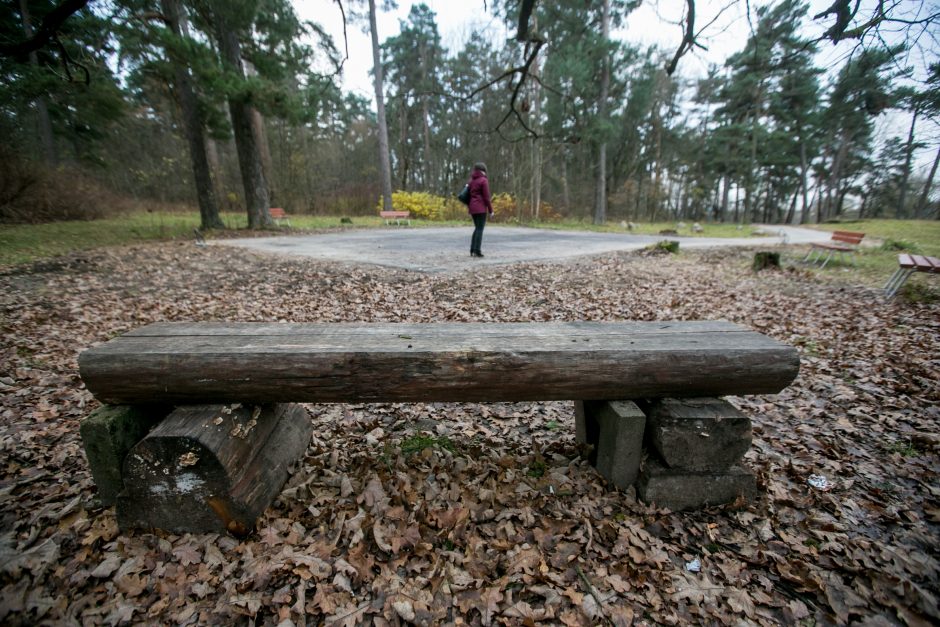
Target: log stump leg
(212, 468)
(613, 434)
(108, 433)
(694, 449)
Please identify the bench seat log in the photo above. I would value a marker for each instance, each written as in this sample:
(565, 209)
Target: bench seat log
(211, 468)
(458, 362)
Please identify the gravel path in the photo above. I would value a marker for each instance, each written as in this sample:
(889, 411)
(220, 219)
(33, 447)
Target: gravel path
(447, 249)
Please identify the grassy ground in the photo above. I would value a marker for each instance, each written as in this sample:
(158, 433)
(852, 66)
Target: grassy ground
(877, 258)
(27, 243)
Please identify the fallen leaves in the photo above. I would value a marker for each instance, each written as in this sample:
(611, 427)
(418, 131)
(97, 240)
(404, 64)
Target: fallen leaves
(428, 512)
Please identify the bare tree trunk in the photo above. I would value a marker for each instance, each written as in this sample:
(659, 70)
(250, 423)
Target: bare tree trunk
(261, 138)
(922, 203)
(249, 155)
(565, 190)
(791, 213)
(192, 126)
(536, 141)
(215, 169)
(600, 201)
(724, 199)
(385, 167)
(46, 139)
(804, 169)
(901, 211)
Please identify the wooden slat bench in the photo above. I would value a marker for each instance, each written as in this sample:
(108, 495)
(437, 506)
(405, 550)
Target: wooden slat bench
(279, 215)
(224, 376)
(397, 216)
(842, 242)
(908, 265)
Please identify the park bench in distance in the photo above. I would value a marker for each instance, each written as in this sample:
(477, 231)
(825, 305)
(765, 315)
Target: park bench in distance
(279, 215)
(397, 216)
(842, 242)
(908, 265)
(217, 461)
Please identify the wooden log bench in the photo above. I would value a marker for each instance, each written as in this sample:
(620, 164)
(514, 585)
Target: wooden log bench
(842, 242)
(908, 265)
(397, 216)
(217, 460)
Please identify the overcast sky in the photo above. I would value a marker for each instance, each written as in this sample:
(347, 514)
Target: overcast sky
(655, 22)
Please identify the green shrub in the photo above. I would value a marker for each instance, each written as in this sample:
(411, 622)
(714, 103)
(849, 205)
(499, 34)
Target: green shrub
(899, 245)
(426, 206)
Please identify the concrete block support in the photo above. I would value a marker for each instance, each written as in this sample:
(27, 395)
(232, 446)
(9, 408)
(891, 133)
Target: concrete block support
(678, 489)
(108, 433)
(614, 431)
(699, 434)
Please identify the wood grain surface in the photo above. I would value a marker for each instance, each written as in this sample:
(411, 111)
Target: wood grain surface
(388, 362)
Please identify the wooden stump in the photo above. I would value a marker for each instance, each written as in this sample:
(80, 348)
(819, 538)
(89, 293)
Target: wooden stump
(108, 433)
(212, 468)
(764, 260)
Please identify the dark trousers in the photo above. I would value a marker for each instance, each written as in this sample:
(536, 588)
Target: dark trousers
(479, 221)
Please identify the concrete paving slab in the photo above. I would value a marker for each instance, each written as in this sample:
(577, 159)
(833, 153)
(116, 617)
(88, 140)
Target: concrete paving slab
(447, 249)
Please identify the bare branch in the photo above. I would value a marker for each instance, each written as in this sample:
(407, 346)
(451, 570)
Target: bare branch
(345, 36)
(688, 38)
(46, 31)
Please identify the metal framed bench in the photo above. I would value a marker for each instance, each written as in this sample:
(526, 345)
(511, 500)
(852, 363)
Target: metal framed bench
(908, 265)
(397, 216)
(279, 215)
(221, 456)
(842, 242)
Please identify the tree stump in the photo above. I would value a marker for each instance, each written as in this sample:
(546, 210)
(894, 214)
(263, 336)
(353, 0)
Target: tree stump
(212, 468)
(764, 260)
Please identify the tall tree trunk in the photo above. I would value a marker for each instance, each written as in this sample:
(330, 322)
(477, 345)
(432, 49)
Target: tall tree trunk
(791, 213)
(565, 189)
(804, 169)
(261, 138)
(536, 141)
(385, 167)
(192, 126)
(901, 211)
(922, 203)
(724, 200)
(600, 201)
(249, 155)
(46, 139)
(215, 170)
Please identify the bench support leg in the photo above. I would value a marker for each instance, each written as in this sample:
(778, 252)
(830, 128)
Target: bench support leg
(212, 468)
(694, 448)
(897, 280)
(108, 433)
(613, 432)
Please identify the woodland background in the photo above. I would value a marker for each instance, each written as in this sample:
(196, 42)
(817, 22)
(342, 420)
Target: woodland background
(236, 105)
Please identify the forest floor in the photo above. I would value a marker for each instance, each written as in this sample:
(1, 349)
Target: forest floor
(484, 513)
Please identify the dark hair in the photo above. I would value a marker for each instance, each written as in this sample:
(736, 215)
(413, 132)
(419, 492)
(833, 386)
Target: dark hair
(479, 165)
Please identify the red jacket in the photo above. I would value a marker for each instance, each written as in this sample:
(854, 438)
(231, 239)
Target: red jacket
(479, 194)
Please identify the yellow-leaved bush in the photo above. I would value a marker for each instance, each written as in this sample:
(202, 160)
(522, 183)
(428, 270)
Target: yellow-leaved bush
(426, 206)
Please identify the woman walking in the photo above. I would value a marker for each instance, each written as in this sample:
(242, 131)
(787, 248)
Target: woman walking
(479, 206)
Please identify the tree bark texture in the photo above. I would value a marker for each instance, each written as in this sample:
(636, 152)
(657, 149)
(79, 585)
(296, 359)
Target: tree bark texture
(46, 138)
(249, 156)
(385, 167)
(384, 362)
(600, 200)
(901, 211)
(925, 194)
(193, 128)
